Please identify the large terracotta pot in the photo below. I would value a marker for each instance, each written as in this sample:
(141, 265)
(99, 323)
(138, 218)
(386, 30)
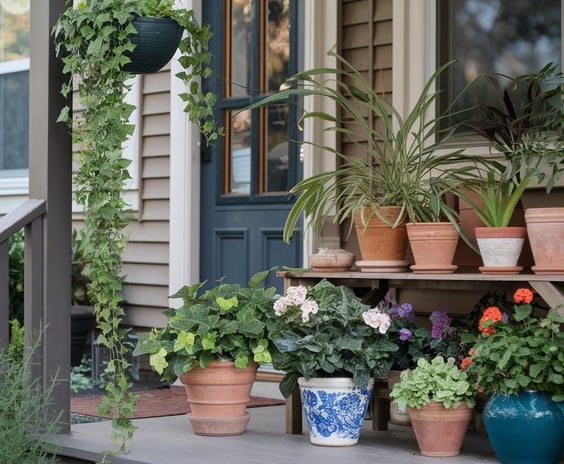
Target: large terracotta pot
(382, 247)
(500, 248)
(545, 228)
(433, 245)
(440, 431)
(218, 395)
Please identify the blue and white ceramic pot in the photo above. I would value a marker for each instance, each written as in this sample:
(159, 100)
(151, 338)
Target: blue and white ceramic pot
(527, 428)
(334, 409)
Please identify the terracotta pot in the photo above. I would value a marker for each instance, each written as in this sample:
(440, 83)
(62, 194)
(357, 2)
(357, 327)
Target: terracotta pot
(440, 431)
(380, 243)
(545, 227)
(500, 248)
(218, 395)
(433, 245)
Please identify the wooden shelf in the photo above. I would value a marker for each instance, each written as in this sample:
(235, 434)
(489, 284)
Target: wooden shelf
(549, 287)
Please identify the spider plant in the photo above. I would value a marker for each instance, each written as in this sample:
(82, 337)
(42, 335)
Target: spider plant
(403, 162)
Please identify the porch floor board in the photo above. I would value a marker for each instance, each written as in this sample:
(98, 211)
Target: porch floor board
(169, 440)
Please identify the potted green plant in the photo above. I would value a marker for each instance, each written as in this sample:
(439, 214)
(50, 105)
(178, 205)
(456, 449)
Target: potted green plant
(518, 360)
(439, 398)
(327, 340)
(524, 124)
(95, 41)
(214, 343)
(400, 175)
(442, 336)
(494, 201)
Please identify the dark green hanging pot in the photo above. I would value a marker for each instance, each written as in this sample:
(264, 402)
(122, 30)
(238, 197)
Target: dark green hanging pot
(155, 43)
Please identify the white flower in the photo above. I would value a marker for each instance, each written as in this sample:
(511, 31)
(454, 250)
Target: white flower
(296, 295)
(280, 306)
(376, 319)
(308, 307)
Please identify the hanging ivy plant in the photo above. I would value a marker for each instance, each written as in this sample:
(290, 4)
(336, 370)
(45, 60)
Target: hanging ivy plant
(94, 40)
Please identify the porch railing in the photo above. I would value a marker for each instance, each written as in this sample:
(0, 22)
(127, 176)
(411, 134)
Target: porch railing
(30, 216)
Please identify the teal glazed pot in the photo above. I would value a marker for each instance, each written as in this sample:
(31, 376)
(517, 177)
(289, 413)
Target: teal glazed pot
(527, 428)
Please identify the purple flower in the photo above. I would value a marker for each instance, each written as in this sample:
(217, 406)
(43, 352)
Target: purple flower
(404, 334)
(402, 311)
(440, 321)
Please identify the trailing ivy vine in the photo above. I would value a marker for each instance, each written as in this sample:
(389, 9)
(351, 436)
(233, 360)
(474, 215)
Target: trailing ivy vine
(93, 40)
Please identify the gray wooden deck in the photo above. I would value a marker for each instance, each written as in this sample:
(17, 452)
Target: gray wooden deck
(169, 440)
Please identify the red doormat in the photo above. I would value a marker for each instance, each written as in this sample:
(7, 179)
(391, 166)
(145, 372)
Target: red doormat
(170, 401)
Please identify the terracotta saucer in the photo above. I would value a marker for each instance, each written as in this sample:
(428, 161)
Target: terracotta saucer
(501, 270)
(546, 270)
(382, 266)
(433, 268)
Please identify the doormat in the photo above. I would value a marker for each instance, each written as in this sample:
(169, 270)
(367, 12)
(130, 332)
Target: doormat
(156, 402)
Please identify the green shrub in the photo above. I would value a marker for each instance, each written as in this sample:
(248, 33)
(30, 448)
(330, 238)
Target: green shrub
(24, 417)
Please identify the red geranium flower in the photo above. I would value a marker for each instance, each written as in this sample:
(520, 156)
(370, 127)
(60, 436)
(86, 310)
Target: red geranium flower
(491, 314)
(523, 296)
(465, 363)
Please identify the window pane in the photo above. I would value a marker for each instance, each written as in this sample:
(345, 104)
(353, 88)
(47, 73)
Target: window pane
(276, 175)
(240, 48)
(14, 84)
(239, 153)
(512, 37)
(14, 101)
(278, 50)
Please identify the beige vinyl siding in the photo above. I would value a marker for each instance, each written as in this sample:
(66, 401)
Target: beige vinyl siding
(146, 260)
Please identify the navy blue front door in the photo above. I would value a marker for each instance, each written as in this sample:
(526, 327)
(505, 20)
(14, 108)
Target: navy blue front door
(247, 174)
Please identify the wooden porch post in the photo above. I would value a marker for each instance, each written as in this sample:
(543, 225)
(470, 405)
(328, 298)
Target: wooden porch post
(50, 171)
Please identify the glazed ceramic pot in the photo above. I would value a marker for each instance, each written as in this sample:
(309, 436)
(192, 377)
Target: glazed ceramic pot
(530, 419)
(334, 409)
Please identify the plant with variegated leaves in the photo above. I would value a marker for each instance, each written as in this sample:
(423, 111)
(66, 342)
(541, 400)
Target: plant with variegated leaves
(225, 323)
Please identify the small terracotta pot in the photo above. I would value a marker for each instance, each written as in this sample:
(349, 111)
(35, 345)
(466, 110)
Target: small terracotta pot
(545, 227)
(433, 245)
(379, 242)
(440, 431)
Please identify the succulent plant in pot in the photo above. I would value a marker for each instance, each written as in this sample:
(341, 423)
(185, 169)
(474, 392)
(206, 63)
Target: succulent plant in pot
(217, 335)
(439, 398)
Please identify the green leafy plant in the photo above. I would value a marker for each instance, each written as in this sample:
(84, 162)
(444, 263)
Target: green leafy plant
(436, 381)
(519, 351)
(494, 200)
(94, 40)
(24, 405)
(401, 162)
(525, 123)
(326, 331)
(225, 322)
(16, 276)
